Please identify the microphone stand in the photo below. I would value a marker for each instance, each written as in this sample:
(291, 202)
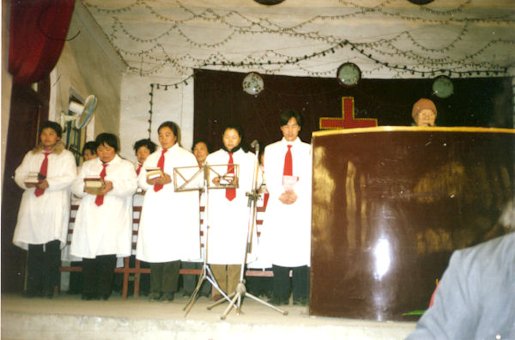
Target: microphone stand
(235, 299)
(206, 271)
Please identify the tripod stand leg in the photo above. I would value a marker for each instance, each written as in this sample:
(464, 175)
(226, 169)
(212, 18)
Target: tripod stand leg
(237, 296)
(283, 312)
(206, 275)
(193, 297)
(219, 302)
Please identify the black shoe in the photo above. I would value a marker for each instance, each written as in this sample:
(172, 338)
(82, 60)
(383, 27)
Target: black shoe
(278, 302)
(32, 294)
(155, 296)
(88, 297)
(300, 302)
(168, 297)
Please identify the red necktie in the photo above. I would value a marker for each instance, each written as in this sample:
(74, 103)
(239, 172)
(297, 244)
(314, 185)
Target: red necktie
(230, 193)
(42, 174)
(160, 165)
(99, 200)
(288, 163)
(138, 169)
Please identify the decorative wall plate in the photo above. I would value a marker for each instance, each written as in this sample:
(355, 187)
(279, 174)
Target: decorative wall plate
(348, 74)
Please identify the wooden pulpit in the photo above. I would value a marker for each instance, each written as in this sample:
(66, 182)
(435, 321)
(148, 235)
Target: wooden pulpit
(390, 204)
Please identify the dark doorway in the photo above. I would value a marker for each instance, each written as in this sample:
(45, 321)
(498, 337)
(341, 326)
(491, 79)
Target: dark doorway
(29, 107)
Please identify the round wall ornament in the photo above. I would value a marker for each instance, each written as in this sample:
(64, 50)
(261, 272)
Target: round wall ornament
(253, 83)
(348, 74)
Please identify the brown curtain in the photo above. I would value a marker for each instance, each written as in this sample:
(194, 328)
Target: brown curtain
(37, 34)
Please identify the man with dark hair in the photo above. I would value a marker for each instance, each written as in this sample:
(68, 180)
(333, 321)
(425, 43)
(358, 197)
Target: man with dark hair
(286, 235)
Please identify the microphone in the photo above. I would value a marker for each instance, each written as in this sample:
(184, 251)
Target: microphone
(255, 145)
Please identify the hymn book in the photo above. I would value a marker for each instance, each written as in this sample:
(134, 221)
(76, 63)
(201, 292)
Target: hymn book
(94, 184)
(153, 173)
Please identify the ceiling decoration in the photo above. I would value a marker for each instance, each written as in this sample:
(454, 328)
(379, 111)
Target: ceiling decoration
(168, 39)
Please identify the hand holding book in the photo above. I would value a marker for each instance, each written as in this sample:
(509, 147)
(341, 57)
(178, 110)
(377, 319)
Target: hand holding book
(157, 176)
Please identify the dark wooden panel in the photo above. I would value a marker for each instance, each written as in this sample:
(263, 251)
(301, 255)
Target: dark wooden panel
(391, 204)
(28, 109)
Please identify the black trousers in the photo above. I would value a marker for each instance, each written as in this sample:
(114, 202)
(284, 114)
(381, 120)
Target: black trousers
(260, 286)
(97, 276)
(298, 284)
(43, 261)
(164, 277)
(75, 279)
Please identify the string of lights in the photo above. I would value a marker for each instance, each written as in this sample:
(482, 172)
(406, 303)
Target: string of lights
(375, 48)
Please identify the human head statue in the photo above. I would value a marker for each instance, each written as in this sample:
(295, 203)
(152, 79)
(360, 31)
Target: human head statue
(424, 112)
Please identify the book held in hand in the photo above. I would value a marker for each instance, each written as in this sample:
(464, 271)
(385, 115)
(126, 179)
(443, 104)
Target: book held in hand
(153, 173)
(32, 178)
(93, 184)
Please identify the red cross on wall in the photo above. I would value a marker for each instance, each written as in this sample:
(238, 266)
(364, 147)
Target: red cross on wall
(347, 121)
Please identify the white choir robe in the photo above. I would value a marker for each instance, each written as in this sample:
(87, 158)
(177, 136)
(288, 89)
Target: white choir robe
(286, 235)
(169, 225)
(45, 218)
(104, 229)
(228, 221)
(201, 229)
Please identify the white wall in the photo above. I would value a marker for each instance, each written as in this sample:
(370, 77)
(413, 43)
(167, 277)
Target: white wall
(175, 105)
(88, 65)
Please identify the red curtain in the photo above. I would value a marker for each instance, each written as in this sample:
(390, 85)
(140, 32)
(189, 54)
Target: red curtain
(38, 32)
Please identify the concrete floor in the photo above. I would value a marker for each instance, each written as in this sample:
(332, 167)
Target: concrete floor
(68, 317)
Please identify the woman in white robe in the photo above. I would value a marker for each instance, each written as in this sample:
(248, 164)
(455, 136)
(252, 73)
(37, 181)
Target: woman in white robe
(228, 219)
(169, 226)
(42, 223)
(103, 228)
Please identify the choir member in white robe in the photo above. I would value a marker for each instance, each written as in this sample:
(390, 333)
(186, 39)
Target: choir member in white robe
(142, 149)
(286, 237)
(42, 223)
(200, 150)
(103, 225)
(169, 226)
(89, 151)
(228, 216)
